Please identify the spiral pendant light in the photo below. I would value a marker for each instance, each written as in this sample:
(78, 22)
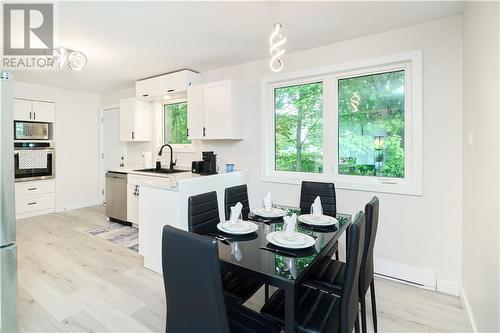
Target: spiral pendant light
(276, 41)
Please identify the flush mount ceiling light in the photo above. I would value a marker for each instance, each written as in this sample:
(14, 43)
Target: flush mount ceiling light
(76, 60)
(276, 41)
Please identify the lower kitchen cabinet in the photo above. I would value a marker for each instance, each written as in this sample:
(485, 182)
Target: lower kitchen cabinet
(35, 198)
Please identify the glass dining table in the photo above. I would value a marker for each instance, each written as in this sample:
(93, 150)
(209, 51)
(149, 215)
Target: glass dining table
(253, 256)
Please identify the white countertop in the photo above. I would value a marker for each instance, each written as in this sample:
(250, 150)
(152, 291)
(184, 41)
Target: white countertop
(166, 181)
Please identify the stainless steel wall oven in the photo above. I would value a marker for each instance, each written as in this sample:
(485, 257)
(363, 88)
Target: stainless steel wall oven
(34, 161)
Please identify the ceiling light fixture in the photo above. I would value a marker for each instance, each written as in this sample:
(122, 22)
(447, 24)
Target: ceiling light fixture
(276, 41)
(76, 60)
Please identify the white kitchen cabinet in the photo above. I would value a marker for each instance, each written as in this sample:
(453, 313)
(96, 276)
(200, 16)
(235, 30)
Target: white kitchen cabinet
(195, 112)
(147, 88)
(35, 198)
(133, 203)
(135, 120)
(22, 110)
(44, 111)
(159, 86)
(26, 110)
(177, 82)
(220, 115)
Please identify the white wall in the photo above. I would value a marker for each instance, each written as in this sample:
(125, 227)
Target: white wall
(77, 142)
(480, 274)
(421, 232)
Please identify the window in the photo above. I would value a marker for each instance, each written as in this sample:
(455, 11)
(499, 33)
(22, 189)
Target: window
(371, 116)
(299, 127)
(358, 125)
(175, 123)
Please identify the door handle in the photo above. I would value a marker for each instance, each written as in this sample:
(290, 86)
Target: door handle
(133, 136)
(204, 131)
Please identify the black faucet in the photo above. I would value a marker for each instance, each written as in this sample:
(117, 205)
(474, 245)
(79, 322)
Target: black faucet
(172, 163)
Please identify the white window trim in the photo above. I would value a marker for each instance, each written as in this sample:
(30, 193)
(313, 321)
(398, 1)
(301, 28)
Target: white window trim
(178, 148)
(412, 184)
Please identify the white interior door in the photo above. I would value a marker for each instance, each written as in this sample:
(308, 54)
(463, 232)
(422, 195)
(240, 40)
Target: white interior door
(113, 154)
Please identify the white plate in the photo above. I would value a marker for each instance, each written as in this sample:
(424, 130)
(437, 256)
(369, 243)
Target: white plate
(303, 241)
(274, 213)
(243, 228)
(322, 221)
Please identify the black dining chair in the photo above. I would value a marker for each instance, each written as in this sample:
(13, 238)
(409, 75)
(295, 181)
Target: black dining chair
(236, 194)
(323, 312)
(193, 288)
(331, 274)
(326, 191)
(203, 217)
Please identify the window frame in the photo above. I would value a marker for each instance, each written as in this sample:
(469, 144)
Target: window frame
(411, 184)
(178, 147)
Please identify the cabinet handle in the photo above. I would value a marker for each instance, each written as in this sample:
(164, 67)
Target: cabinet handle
(170, 90)
(204, 131)
(34, 115)
(133, 135)
(32, 189)
(187, 132)
(31, 203)
(30, 115)
(145, 95)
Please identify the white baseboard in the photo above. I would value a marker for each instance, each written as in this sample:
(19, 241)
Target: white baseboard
(448, 287)
(466, 305)
(407, 273)
(79, 205)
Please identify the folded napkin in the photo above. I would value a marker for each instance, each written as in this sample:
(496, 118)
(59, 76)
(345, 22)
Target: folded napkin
(290, 223)
(235, 213)
(316, 209)
(268, 202)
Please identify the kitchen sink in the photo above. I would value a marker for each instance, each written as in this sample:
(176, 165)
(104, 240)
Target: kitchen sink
(154, 170)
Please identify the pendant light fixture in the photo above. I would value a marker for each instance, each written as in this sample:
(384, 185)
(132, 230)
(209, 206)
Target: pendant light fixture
(276, 41)
(75, 60)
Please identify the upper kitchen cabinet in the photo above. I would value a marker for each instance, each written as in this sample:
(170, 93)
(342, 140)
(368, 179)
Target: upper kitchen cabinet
(147, 88)
(159, 86)
(135, 120)
(44, 111)
(26, 110)
(215, 111)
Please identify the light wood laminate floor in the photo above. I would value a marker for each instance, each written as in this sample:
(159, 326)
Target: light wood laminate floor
(70, 281)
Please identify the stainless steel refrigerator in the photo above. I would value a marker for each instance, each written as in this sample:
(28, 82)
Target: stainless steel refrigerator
(8, 247)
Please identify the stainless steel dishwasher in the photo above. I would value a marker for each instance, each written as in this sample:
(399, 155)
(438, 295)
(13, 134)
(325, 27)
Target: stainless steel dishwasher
(116, 196)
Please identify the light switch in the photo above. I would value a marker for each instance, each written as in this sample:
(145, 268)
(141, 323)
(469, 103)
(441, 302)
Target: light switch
(470, 139)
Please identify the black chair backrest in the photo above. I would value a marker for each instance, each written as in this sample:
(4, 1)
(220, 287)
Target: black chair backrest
(326, 191)
(203, 213)
(366, 273)
(193, 286)
(234, 195)
(350, 292)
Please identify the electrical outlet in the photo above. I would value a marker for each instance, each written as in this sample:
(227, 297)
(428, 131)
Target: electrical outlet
(470, 139)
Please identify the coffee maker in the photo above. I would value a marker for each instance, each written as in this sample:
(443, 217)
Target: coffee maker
(209, 163)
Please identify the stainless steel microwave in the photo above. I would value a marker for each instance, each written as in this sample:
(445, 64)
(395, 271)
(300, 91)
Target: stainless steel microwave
(25, 130)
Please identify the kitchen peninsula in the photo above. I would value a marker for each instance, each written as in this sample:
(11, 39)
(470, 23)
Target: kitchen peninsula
(163, 200)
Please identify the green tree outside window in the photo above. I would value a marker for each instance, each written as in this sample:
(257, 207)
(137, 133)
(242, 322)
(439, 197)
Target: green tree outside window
(175, 123)
(299, 128)
(371, 111)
